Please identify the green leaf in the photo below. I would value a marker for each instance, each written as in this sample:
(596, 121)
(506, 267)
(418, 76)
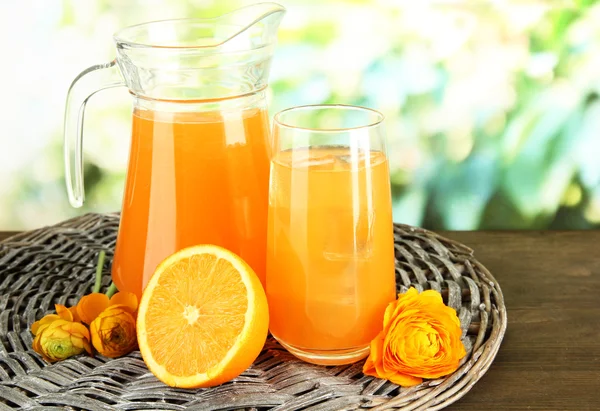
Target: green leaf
(541, 170)
(462, 190)
(409, 207)
(586, 151)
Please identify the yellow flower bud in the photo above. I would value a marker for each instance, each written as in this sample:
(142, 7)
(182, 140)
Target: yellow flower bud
(113, 331)
(60, 339)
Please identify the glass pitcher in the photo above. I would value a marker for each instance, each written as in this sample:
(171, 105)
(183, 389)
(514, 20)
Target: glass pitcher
(199, 159)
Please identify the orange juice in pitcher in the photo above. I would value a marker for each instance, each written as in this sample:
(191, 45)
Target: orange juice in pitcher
(199, 159)
(193, 178)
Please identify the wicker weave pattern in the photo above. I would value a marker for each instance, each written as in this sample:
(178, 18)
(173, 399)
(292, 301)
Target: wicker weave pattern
(56, 265)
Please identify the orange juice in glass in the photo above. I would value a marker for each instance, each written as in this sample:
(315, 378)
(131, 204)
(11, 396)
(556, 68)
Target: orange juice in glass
(330, 251)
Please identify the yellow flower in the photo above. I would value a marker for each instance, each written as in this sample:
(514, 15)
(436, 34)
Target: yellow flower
(113, 331)
(112, 325)
(61, 312)
(421, 338)
(57, 338)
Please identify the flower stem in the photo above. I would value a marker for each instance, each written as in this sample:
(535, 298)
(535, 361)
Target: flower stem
(111, 290)
(99, 272)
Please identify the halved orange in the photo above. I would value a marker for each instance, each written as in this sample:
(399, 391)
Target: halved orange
(203, 318)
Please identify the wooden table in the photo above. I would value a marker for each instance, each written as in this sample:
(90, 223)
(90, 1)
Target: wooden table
(550, 357)
(6, 234)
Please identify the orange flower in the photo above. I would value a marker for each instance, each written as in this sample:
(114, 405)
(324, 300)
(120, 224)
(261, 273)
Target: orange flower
(57, 338)
(113, 331)
(125, 298)
(91, 305)
(421, 338)
(75, 314)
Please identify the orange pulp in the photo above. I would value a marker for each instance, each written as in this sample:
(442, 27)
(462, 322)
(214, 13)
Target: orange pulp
(203, 318)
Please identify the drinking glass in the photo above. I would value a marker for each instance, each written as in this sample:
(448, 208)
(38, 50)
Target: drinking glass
(330, 248)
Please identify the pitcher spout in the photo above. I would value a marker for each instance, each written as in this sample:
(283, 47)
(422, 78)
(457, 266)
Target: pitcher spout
(252, 27)
(200, 59)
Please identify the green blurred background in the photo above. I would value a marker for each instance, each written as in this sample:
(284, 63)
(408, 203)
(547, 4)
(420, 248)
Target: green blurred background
(493, 111)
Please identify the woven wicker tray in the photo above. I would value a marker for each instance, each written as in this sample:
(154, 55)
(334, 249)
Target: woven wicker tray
(56, 265)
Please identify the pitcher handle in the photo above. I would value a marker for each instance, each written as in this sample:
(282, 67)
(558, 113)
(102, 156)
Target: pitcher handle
(85, 85)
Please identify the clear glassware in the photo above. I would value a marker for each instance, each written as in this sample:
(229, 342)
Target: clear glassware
(330, 248)
(199, 161)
